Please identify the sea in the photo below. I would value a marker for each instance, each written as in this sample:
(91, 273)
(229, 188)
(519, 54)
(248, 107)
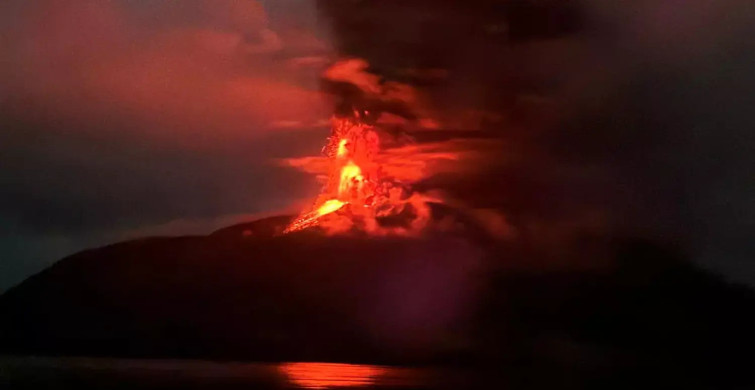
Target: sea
(105, 373)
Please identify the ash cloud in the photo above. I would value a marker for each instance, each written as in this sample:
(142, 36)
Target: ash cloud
(622, 119)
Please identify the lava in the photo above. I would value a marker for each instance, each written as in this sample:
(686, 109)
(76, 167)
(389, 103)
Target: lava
(357, 190)
(351, 149)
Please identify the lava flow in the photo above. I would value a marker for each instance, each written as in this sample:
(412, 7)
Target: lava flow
(351, 149)
(356, 188)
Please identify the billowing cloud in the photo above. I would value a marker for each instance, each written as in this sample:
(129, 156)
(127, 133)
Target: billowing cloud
(624, 118)
(354, 71)
(99, 59)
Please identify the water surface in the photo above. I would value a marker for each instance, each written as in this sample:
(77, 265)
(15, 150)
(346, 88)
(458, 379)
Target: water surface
(95, 373)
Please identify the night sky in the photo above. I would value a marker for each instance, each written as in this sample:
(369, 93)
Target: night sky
(125, 118)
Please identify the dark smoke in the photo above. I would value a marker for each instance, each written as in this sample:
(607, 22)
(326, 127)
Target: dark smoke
(623, 120)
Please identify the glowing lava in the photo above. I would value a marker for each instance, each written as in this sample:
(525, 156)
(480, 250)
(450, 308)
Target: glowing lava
(329, 207)
(351, 179)
(355, 184)
(351, 147)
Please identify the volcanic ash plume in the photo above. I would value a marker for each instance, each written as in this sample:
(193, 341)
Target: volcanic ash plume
(378, 161)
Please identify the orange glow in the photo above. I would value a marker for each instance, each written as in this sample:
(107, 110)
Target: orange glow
(342, 148)
(329, 207)
(328, 375)
(351, 179)
(312, 218)
(358, 192)
(410, 163)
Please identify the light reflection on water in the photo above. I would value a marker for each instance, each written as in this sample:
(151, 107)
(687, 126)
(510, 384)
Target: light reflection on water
(329, 375)
(152, 374)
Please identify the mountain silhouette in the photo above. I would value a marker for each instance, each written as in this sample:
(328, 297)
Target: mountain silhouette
(248, 293)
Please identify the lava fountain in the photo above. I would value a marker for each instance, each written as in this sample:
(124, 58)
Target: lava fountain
(357, 193)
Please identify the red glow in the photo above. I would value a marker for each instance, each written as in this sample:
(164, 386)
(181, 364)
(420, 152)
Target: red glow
(362, 185)
(328, 375)
(365, 186)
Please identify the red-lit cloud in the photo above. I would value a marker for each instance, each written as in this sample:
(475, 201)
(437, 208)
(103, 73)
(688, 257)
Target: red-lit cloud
(193, 81)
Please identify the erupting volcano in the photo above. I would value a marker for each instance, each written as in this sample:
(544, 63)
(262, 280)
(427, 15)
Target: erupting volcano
(358, 194)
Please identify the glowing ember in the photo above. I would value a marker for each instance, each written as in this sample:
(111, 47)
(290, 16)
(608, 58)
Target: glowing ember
(327, 375)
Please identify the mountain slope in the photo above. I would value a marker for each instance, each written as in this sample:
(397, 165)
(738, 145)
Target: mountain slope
(246, 293)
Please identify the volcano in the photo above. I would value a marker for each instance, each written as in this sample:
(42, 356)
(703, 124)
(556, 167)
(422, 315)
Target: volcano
(246, 291)
(249, 292)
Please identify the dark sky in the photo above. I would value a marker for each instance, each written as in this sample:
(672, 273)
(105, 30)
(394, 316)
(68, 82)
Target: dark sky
(127, 118)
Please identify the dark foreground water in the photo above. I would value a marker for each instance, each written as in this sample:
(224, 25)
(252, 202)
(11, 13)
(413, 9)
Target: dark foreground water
(98, 373)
